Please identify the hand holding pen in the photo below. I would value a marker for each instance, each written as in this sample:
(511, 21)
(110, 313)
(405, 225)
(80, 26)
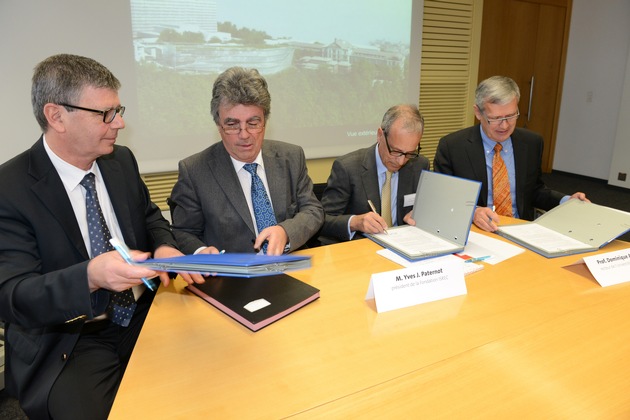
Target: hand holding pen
(378, 224)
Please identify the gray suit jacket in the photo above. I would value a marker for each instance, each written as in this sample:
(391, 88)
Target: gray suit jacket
(353, 181)
(461, 154)
(209, 208)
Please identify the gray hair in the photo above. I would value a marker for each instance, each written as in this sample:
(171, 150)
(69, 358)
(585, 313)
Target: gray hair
(496, 90)
(61, 79)
(413, 120)
(240, 86)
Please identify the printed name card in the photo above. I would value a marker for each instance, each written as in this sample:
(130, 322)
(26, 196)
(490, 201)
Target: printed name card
(412, 286)
(610, 268)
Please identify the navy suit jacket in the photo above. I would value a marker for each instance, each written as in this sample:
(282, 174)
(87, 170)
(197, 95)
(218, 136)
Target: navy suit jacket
(353, 181)
(44, 294)
(461, 154)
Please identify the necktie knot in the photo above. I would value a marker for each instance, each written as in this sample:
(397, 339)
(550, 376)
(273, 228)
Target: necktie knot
(498, 147)
(251, 168)
(88, 182)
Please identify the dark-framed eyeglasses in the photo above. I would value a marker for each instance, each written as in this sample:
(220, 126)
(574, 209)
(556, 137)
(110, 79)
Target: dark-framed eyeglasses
(108, 114)
(252, 127)
(398, 153)
(499, 121)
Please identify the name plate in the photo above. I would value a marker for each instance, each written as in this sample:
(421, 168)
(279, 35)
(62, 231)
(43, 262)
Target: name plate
(412, 286)
(610, 268)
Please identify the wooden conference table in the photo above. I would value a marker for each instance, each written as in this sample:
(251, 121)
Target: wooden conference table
(531, 339)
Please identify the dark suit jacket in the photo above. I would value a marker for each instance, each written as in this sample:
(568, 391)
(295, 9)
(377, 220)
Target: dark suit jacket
(44, 294)
(353, 181)
(461, 154)
(209, 208)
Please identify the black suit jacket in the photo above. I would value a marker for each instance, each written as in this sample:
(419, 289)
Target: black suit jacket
(461, 154)
(353, 181)
(44, 294)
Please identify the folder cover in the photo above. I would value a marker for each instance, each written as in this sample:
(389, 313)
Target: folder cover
(273, 297)
(443, 211)
(232, 264)
(573, 227)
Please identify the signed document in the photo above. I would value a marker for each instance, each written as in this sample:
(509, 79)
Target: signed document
(571, 228)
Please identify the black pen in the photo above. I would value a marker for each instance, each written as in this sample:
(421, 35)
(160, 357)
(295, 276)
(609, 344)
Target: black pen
(374, 210)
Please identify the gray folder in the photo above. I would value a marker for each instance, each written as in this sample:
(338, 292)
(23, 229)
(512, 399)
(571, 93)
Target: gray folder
(443, 211)
(589, 226)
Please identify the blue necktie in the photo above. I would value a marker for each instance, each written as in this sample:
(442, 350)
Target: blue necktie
(263, 212)
(121, 304)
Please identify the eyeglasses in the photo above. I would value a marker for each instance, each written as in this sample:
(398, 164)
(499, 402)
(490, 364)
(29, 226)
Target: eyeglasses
(252, 127)
(398, 153)
(108, 114)
(499, 121)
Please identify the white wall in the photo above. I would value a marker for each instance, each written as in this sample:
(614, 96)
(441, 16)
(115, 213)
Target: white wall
(621, 156)
(597, 56)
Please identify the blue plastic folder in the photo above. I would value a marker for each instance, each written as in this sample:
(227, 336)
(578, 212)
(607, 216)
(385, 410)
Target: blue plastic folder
(230, 264)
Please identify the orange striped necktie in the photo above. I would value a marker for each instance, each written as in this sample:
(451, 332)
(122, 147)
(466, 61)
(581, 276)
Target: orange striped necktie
(500, 184)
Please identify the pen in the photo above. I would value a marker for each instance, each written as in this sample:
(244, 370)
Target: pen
(374, 210)
(477, 259)
(124, 252)
(222, 251)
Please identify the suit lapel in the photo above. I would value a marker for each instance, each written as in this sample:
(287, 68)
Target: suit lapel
(114, 178)
(222, 169)
(275, 180)
(477, 159)
(370, 178)
(520, 168)
(51, 192)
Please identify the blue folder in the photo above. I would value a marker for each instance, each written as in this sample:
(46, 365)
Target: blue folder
(230, 264)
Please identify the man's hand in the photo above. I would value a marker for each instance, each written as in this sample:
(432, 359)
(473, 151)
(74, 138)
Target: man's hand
(110, 271)
(580, 196)
(486, 219)
(276, 238)
(166, 251)
(369, 223)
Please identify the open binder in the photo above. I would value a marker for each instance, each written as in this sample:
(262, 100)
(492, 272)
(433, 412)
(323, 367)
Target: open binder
(443, 211)
(231, 264)
(573, 227)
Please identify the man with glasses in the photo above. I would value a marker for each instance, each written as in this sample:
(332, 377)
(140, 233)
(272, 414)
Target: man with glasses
(61, 286)
(506, 159)
(353, 199)
(245, 193)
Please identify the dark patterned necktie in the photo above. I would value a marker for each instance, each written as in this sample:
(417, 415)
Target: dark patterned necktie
(121, 304)
(263, 212)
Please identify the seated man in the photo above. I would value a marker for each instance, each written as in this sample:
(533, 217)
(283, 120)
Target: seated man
(244, 194)
(358, 179)
(72, 307)
(506, 159)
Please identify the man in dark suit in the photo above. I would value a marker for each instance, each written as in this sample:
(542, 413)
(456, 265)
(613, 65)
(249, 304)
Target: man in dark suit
(357, 178)
(469, 153)
(213, 203)
(65, 356)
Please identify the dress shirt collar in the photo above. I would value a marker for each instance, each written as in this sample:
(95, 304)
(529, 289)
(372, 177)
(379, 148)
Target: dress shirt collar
(70, 175)
(488, 144)
(238, 165)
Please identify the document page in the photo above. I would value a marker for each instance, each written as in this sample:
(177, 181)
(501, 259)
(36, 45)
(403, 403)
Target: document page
(414, 241)
(543, 238)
